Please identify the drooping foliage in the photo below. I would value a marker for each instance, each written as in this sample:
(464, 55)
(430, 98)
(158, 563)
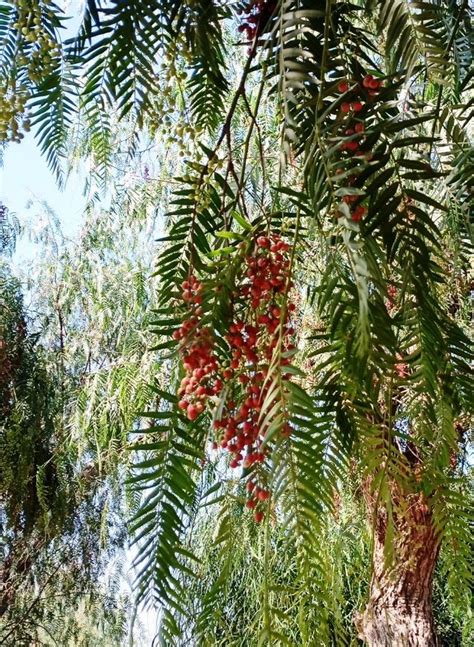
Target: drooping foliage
(74, 373)
(51, 553)
(366, 203)
(9, 229)
(345, 139)
(255, 567)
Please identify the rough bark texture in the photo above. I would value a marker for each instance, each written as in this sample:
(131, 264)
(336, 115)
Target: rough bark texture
(399, 610)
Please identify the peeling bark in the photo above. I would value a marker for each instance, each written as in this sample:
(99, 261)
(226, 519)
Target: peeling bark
(399, 611)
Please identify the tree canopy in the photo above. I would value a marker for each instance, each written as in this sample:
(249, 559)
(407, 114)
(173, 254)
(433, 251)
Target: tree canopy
(302, 357)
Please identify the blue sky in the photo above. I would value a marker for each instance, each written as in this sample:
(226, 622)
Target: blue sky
(26, 177)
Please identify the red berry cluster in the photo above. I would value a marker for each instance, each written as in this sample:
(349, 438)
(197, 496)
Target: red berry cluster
(253, 337)
(354, 127)
(256, 15)
(197, 352)
(267, 271)
(256, 497)
(252, 347)
(392, 293)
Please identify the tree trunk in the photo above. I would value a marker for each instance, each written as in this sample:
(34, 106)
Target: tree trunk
(399, 611)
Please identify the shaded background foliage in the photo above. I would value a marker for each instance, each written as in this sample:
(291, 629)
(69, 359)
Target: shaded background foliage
(74, 373)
